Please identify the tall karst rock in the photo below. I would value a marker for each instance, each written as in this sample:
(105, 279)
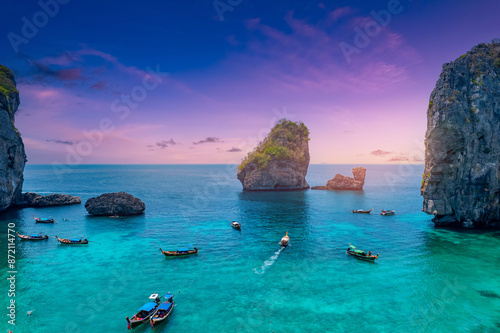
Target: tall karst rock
(12, 156)
(461, 182)
(279, 162)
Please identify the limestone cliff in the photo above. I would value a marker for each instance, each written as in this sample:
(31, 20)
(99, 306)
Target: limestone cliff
(279, 162)
(12, 156)
(461, 180)
(344, 183)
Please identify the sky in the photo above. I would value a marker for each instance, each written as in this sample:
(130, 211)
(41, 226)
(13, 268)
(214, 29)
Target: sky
(174, 82)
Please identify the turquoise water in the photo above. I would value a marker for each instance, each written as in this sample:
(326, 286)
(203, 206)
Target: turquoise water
(426, 279)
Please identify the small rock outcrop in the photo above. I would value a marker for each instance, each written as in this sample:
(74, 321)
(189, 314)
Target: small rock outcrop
(280, 162)
(35, 200)
(12, 155)
(110, 204)
(461, 181)
(344, 183)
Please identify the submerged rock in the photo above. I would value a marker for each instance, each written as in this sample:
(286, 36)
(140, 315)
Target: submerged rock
(344, 183)
(280, 162)
(110, 204)
(35, 200)
(460, 183)
(12, 155)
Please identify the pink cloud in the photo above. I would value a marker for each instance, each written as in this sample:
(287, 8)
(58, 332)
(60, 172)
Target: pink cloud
(340, 12)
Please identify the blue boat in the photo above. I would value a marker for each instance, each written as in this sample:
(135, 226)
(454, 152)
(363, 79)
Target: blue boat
(164, 310)
(73, 241)
(40, 236)
(43, 220)
(145, 312)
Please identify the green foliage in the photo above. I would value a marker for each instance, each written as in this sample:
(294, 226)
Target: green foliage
(15, 128)
(431, 103)
(497, 63)
(284, 142)
(463, 56)
(7, 83)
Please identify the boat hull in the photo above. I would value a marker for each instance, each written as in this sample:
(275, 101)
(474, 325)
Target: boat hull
(178, 254)
(157, 321)
(361, 212)
(68, 242)
(30, 238)
(362, 257)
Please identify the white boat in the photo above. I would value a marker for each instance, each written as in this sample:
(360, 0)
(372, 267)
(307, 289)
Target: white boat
(236, 225)
(285, 240)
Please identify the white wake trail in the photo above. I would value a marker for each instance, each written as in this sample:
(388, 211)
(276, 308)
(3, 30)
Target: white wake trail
(268, 263)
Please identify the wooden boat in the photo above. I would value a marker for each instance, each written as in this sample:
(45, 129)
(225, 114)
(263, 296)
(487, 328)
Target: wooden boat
(360, 211)
(145, 312)
(73, 241)
(285, 240)
(236, 225)
(179, 252)
(164, 310)
(360, 254)
(388, 212)
(43, 220)
(40, 236)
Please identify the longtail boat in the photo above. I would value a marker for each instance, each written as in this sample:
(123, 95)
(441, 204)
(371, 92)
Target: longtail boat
(360, 211)
(72, 241)
(40, 236)
(360, 254)
(164, 310)
(179, 252)
(285, 240)
(43, 220)
(387, 212)
(236, 225)
(145, 312)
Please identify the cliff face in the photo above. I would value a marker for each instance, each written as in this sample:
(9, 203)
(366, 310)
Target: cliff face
(280, 162)
(461, 180)
(12, 156)
(344, 183)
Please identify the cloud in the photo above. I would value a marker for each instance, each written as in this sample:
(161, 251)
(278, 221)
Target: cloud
(380, 152)
(233, 150)
(398, 158)
(166, 143)
(65, 74)
(61, 142)
(210, 139)
(404, 158)
(101, 85)
(338, 13)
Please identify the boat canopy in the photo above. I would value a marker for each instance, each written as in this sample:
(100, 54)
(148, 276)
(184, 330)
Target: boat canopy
(165, 306)
(359, 251)
(168, 296)
(147, 307)
(37, 236)
(74, 240)
(352, 246)
(183, 250)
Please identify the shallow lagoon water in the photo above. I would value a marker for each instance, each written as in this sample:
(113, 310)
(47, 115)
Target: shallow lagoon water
(426, 279)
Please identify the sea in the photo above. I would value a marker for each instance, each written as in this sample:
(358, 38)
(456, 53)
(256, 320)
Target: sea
(426, 279)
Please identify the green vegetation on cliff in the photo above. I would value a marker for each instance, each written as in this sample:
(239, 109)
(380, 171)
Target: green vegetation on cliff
(7, 84)
(284, 142)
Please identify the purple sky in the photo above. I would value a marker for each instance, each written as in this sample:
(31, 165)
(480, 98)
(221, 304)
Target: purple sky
(88, 96)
